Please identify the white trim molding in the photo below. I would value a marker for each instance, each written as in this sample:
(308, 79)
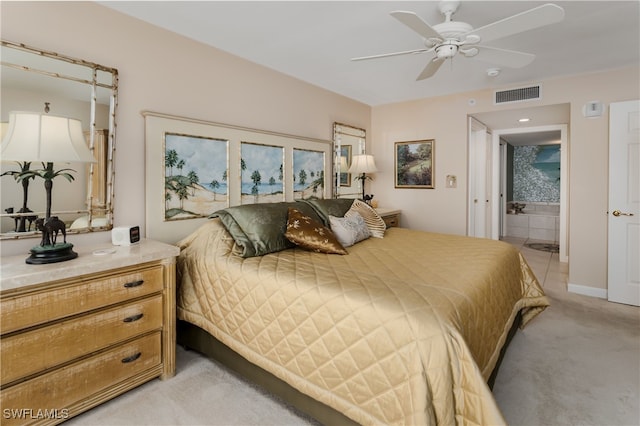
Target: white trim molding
(600, 293)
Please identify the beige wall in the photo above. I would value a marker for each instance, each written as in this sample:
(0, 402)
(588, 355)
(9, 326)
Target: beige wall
(161, 71)
(445, 120)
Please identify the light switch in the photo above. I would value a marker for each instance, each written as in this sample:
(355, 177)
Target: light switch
(452, 181)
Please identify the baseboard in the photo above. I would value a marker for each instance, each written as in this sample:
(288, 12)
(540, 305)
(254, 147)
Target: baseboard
(600, 293)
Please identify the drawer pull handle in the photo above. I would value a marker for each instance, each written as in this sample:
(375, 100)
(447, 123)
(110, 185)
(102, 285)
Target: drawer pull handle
(131, 358)
(133, 318)
(134, 284)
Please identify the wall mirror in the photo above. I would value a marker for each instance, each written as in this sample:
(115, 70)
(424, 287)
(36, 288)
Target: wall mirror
(347, 142)
(34, 80)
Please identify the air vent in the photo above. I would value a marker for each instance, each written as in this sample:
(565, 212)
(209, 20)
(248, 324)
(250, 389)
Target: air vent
(517, 95)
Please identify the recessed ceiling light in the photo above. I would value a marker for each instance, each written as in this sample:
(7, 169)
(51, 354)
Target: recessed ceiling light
(524, 120)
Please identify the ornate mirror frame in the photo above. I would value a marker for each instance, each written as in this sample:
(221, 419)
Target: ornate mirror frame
(347, 142)
(33, 79)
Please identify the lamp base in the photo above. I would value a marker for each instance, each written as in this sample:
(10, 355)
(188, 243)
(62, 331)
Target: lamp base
(60, 252)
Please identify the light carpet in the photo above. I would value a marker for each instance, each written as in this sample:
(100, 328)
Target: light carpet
(578, 363)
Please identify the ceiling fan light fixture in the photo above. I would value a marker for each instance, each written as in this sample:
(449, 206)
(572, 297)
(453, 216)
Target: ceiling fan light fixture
(445, 51)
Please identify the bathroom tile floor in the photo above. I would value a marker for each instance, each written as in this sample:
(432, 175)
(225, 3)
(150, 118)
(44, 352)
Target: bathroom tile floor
(551, 273)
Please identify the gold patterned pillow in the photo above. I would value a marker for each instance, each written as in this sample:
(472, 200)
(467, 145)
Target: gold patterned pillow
(374, 222)
(311, 234)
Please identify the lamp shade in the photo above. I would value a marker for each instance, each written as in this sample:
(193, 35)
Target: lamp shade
(41, 137)
(363, 164)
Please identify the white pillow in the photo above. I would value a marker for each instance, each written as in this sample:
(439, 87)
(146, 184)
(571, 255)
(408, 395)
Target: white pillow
(349, 230)
(372, 219)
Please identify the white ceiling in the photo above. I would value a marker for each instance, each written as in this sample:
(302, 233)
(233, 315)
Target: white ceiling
(314, 41)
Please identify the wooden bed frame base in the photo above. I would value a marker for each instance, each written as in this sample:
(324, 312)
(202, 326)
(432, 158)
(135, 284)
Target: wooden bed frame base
(192, 337)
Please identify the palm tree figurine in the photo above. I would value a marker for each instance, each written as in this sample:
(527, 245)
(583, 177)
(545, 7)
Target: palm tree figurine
(48, 174)
(23, 177)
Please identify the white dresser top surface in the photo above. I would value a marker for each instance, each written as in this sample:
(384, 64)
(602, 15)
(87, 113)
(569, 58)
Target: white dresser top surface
(15, 273)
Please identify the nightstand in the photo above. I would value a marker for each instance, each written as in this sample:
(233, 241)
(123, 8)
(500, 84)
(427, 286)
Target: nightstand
(391, 217)
(78, 333)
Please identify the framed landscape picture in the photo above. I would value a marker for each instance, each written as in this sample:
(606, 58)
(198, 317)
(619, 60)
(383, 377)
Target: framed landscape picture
(414, 164)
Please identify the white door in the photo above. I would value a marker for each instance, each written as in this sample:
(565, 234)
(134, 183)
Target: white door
(480, 160)
(624, 203)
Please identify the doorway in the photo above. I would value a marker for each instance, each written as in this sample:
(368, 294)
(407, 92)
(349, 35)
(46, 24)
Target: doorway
(533, 185)
(507, 124)
(540, 211)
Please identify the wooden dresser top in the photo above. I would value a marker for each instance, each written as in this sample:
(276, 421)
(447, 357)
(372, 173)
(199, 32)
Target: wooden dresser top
(16, 274)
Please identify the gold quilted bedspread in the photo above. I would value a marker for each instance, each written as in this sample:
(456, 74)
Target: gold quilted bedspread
(402, 330)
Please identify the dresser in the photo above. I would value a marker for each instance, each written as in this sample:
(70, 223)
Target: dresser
(78, 333)
(391, 217)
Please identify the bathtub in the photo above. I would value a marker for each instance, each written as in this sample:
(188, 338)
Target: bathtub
(538, 221)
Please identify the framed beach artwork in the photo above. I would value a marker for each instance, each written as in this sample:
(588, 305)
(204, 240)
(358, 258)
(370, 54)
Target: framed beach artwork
(308, 174)
(195, 176)
(193, 168)
(262, 173)
(414, 164)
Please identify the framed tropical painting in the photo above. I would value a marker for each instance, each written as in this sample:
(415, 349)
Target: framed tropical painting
(195, 176)
(414, 164)
(262, 174)
(308, 174)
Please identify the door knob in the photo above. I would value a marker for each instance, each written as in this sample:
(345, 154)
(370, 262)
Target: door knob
(617, 213)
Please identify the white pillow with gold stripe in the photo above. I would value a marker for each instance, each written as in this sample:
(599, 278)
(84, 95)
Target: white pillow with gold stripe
(374, 222)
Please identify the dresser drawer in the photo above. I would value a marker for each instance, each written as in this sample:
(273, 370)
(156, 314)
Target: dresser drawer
(30, 352)
(63, 387)
(78, 296)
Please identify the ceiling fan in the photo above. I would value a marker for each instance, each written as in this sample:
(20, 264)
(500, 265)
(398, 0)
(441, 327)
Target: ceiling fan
(449, 38)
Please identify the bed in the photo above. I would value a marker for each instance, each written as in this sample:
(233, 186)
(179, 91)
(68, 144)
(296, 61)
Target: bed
(404, 328)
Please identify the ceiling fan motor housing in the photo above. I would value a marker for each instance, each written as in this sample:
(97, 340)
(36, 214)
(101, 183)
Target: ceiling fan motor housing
(453, 29)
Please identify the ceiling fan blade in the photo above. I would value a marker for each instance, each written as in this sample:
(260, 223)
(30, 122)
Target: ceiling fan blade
(384, 55)
(503, 57)
(533, 18)
(416, 23)
(431, 68)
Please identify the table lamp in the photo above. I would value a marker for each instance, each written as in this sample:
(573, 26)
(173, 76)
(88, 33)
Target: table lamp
(361, 165)
(46, 138)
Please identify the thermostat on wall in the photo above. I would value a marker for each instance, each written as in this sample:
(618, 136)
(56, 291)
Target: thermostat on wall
(593, 109)
(125, 235)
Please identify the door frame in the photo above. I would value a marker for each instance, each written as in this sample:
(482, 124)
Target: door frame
(499, 204)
